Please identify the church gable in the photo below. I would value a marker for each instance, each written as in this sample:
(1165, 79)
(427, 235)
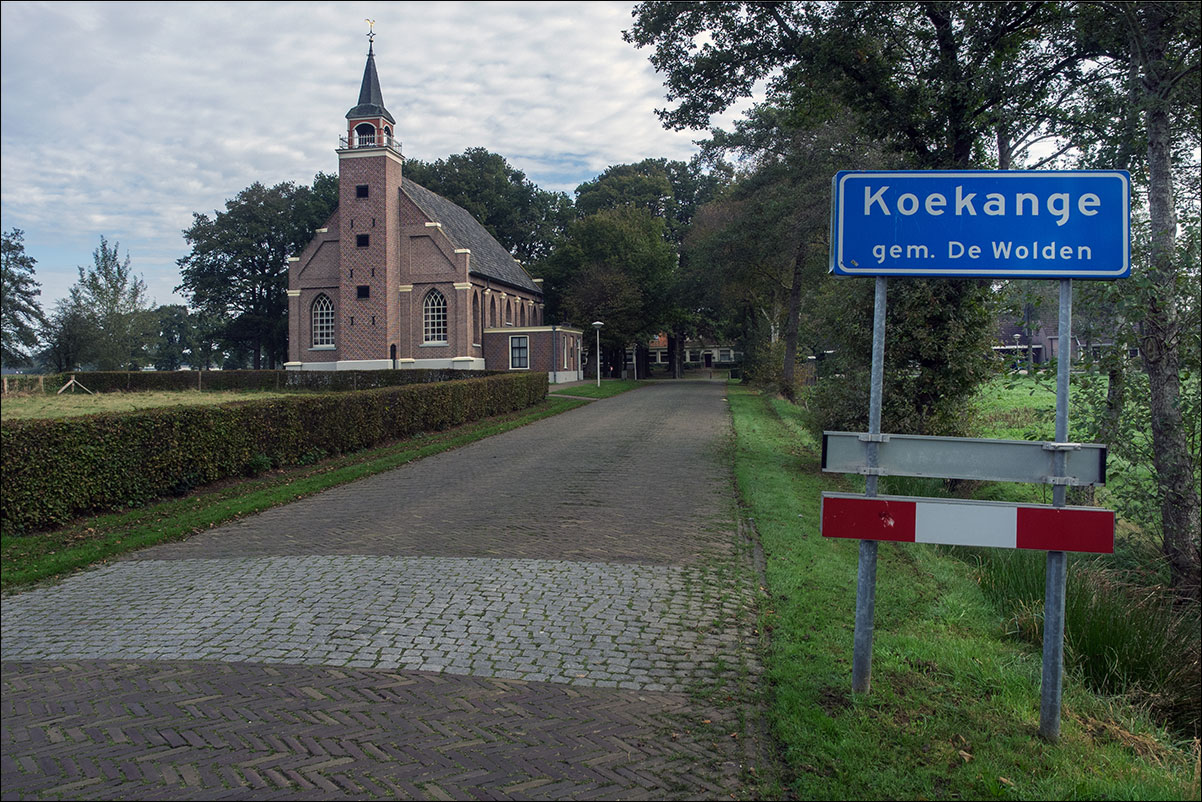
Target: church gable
(318, 262)
(488, 257)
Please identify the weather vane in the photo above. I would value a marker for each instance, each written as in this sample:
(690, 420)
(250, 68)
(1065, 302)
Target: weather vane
(371, 30)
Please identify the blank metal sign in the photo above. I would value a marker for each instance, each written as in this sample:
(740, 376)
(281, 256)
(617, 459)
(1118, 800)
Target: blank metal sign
(964, 458)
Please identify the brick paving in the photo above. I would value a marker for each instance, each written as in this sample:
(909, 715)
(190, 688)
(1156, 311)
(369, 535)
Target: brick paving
(562, 611)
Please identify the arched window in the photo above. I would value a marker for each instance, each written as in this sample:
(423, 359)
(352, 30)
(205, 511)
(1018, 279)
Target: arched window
(365, 135)
(521, 314)
(508, 313)
(492, 312)
(323, 321)
(434, 317)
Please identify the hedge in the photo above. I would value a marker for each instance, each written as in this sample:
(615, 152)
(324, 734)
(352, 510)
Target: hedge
(55, 470)
(147, 381)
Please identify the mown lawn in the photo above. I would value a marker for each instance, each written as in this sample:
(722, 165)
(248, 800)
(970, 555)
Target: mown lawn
(954, 708)
(608, 389)
(70, 404)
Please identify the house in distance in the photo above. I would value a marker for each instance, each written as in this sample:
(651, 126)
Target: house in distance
(401, 277)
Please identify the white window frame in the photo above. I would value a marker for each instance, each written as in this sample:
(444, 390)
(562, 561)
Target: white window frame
(525, 348)
(322, 319)
(434, 318)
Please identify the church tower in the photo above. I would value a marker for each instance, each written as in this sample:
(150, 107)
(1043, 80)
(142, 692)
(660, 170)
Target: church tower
(401, 277)
(369, 173)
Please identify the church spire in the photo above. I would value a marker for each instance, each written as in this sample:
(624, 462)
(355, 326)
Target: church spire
(371, 99)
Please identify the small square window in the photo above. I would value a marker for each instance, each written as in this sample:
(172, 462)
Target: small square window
(363, 290)
(362, 240)
(361, 191)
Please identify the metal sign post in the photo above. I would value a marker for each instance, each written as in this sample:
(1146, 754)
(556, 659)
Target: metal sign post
(1057, 568)
(861, 664)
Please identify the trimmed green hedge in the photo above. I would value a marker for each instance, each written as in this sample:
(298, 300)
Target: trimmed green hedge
(55, 470)
(151, 380)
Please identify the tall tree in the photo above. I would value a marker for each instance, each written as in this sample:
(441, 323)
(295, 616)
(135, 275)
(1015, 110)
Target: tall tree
(527, 220)
(930, 81)
(69, 336)
(616, 267)
(116, 299)
(20, 311)
(1163, 49)
(672, 191)
(237, 270)
(174, 333)
(773, 244)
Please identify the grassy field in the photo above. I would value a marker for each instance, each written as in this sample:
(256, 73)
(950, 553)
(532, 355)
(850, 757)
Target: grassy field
(954, 707)
(72, 404)
(1017, 408)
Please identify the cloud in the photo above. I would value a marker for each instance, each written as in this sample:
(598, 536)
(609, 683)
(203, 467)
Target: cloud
(123, 119)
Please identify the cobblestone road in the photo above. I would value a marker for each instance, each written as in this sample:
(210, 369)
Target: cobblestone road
(560, 611)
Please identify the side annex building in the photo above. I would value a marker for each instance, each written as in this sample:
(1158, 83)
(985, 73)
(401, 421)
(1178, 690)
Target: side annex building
(401, 277)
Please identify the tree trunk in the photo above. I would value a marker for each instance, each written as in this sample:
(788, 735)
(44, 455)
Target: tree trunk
(1180, 501)
(676, 355)
(792, 323)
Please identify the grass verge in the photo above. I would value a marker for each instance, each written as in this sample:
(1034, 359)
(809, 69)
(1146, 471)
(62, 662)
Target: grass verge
(954, 706)
(25, 559)
(608, 388)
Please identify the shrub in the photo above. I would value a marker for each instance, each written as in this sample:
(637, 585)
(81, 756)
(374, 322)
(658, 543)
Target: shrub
(324, 380)
(57, 469)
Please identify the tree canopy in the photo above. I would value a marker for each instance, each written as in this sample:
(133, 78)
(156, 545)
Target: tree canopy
(20, 311)
(237, 270)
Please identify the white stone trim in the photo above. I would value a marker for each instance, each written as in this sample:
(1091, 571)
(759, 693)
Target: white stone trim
(463, 250)
(293, 293)
(322, 231)
(433, 225)
(405, 288)
(521, 329)
(293, 258)
(458, 363)
(363, 364)
(466, 285)
(367, 153)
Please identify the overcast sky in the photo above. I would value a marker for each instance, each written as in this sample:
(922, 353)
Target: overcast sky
(122, 119)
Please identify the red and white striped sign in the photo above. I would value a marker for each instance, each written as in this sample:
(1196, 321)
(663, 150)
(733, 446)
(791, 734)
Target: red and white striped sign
(954, 522)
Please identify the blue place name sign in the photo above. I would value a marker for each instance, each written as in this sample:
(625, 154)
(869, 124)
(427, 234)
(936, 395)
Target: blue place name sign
(981, 223)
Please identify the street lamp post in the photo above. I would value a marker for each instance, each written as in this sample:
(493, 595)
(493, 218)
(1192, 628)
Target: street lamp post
(597, 324)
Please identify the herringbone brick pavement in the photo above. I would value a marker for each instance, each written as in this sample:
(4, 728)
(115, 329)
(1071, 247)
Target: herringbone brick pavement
(114, 730)
(576, 592)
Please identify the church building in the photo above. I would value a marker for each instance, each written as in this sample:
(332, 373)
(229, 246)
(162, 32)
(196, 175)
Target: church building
(401, 277)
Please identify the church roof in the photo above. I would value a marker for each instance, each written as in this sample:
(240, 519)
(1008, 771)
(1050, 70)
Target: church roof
(489, 257)
(371, 99)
